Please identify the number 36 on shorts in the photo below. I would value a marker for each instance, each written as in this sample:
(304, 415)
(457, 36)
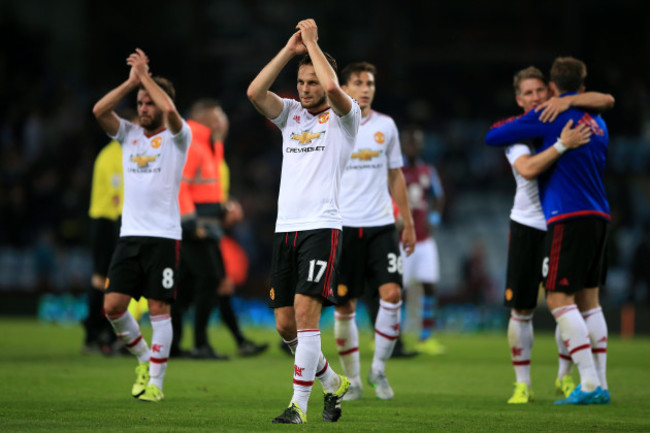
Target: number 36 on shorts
(395, 263)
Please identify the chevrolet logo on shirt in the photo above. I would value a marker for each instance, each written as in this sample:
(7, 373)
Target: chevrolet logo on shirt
(306, 137)
(365, 154)
(143, 160)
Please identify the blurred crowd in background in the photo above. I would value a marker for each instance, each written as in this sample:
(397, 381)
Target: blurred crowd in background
(445, 67)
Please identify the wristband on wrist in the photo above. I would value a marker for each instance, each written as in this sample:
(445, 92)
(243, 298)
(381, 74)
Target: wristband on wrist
(560, 147)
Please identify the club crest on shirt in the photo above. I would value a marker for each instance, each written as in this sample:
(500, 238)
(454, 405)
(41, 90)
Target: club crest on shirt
(365, 154)
(592, 124)
(306, 137)
(156, 142)
(323, 118)
(143, 160)
(379, 137)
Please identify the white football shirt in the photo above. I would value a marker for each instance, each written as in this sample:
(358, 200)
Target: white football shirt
(153, 166)
(365, 197)
(526, 209)
(315, 149)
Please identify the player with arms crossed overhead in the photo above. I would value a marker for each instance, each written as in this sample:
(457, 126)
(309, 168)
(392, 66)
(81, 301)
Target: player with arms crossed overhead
(370, 240)
(575, 206)
(528, 226)
(145, 259)
(318, 135)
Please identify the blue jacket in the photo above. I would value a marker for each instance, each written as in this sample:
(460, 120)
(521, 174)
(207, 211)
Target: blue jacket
(573, 187)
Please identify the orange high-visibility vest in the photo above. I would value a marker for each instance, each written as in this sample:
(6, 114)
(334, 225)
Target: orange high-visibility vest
(201, 183)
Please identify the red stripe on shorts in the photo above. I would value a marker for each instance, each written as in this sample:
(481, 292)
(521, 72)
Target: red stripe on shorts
(334, 241)
(556, 248)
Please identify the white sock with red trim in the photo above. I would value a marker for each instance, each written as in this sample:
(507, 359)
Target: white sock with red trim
(127, 329)
(161, 342)
(565, 363)
(347, 343)
(597, 326)
(386, 333)
(326, 375)
(576, 339)
(520, 339)
(291, 344)
(304, 369)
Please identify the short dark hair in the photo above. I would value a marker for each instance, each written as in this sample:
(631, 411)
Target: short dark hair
(306, 60)
(202, 105)
(568, 74)
(356, 68)
(164, 84)
(525, 74)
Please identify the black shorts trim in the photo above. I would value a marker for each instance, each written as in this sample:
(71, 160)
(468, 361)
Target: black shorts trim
(524, 272)
(575, 255)
(370, 259)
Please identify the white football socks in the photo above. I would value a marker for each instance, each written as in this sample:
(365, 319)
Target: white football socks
(597, 326)
(386, 333)
(326, 375)
(576, 338)
(565, 363)
(127, 329)
(347, 343)
(291, 344)
(520, 339)
(161, 341)
(308, 352)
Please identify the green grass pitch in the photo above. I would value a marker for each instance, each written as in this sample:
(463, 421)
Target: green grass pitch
(47, 385)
